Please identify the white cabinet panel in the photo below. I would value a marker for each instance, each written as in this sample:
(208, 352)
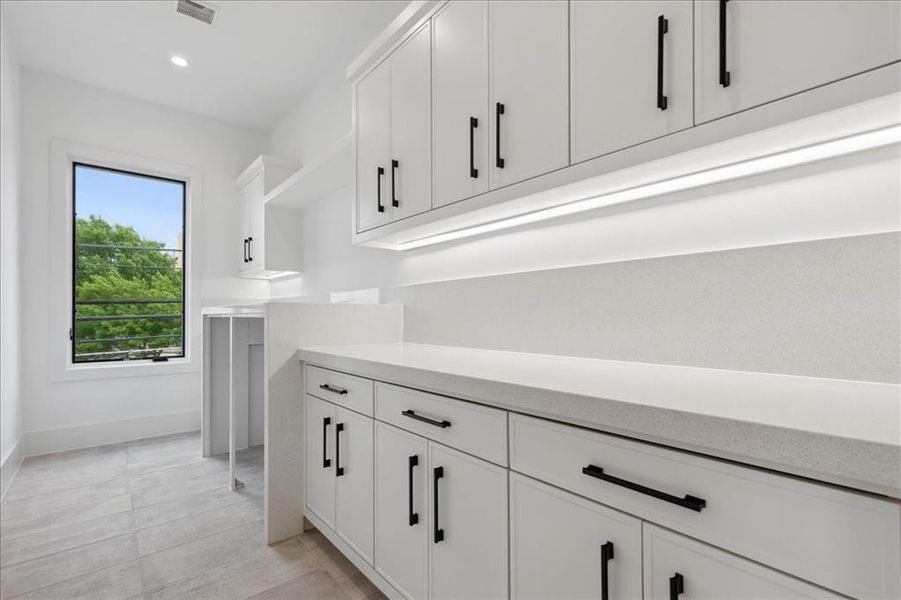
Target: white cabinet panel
(468, 529)
(460, 86)
(678, 567)
(529, 71)
(320, 458)
(401, 509)
(373, 113)
(616, 51)
(411, 126)
(566, 547)
(250, 203)
(353, 480)
(774, 49)
(342, 389)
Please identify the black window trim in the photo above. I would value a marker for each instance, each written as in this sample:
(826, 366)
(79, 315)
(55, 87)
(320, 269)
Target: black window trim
(184, 273)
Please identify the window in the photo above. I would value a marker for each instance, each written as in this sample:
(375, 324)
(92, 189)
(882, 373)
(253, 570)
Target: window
(128, 260)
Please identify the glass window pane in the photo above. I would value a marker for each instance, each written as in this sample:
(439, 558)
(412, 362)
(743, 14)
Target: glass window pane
(128, 257)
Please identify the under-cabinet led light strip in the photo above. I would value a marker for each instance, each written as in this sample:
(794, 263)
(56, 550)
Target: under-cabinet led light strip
(746, 168)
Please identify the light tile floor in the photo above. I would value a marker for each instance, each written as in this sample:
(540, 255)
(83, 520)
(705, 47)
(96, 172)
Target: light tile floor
(153, 519)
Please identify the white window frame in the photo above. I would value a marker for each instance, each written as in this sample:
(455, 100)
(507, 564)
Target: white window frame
(62, 156)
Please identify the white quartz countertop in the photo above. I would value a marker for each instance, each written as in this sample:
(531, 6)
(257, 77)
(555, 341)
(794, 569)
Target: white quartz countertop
(843, 432)
(233, 310)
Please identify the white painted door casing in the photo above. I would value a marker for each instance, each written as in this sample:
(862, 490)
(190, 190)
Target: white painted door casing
(614, 68)
(402, 542)
(775, 49)
(459, 94)
(528, 50)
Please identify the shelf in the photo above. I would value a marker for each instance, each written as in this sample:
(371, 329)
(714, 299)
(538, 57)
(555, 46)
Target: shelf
(333, 172)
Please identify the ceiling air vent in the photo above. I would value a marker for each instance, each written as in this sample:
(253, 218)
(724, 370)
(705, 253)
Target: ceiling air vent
(202, 11)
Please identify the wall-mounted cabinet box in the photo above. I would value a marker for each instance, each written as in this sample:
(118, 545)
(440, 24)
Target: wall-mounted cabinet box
(270, 236)
(470, 112)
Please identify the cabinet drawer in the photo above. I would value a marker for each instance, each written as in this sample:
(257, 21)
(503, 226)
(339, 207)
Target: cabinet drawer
(345, 390)
(473, 428)
(838, 539)
(675, 565)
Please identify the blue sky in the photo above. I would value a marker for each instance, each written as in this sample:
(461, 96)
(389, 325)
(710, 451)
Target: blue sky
(152, 206)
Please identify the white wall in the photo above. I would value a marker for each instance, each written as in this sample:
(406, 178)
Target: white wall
(11, 412)
(59, 414)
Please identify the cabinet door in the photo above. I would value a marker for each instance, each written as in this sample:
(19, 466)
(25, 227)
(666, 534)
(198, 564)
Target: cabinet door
(252, 190)
(566, 547)
(468, 529)
(411, 126)
(774, 49)
(529, 70)
(678, 567)
(460, 101)
(353, 480)
(320, 458)
(373, 113)
(401, 509)
(256, 249)
(631, 69)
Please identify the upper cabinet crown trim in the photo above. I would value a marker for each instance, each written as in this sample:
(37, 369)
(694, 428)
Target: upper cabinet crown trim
(402, 25)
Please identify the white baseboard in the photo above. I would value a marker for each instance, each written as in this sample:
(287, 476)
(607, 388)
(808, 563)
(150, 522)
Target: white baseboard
(10, 466)
(109, 432)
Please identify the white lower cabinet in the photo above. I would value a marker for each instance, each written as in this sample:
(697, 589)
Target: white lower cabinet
(468, 533)
(679, 568)
(339, 469)
(319, 458)
(401, 513)
(353, 480)
(563, 546)
(576, 515)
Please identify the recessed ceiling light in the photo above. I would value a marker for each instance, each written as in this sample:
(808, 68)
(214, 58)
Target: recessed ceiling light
(179, 61)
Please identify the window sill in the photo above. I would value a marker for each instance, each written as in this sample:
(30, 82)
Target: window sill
(87, 372)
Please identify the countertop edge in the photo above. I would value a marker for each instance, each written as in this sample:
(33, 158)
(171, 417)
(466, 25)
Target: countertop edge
(857, 464)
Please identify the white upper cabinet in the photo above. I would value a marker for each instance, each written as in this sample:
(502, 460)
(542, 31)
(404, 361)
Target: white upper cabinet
(270, 241)
(528, 48)
(631, 69)
(749, 52)
(373, 117)
(460, 101)
(411, 126)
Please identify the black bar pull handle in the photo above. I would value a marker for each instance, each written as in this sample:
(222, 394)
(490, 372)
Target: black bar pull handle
(250, 249)
(394, 201)
(378, 189)
(499, 110)
(662, 29)
(689, 502)
(339, 470)
(326, 461)
(333, 389)
(606, 556)
(473, 172)
(414, 516)
(725, 76)
(444, 424)
(437, 473)
(676, 586)
(245, 250)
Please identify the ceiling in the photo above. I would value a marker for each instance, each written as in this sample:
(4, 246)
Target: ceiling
(250, 67)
